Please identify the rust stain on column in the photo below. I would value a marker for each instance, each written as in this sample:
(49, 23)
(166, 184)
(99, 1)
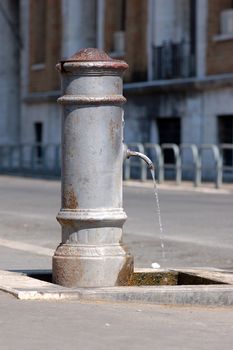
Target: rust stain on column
(70, 200)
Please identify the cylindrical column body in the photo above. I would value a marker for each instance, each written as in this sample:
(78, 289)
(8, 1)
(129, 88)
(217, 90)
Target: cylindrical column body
(91, 253)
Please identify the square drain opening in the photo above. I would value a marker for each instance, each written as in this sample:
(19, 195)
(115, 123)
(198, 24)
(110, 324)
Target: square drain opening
(171, 278)
(148, 277)
(184, 286)
(42, 275)
(192, 279)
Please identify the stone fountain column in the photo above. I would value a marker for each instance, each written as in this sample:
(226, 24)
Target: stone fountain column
(91, 253)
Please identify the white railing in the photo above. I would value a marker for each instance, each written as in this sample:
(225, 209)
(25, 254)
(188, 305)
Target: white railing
(202, 162)
(27, 158)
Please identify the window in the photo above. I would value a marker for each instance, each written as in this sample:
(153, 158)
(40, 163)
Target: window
(44, 44)
(38, 33)
(115, 27)
(38, 131)
(169, 132)
(226, 22)
(120, 15)
(119, 33)
(225, 135)
(224, 10)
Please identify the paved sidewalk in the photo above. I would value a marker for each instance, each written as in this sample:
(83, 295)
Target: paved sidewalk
(76, 325)
(226, 188)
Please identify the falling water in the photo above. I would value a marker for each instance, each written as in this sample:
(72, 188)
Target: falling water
(161, 234)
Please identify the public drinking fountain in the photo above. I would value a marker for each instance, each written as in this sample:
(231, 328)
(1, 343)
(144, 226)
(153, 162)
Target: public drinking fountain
(92, 263)
(92, 253)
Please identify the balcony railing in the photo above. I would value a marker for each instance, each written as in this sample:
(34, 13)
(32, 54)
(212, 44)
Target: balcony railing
(173, 60)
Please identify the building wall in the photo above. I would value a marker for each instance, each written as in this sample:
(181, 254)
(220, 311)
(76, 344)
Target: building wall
(136, 15)
(79, 25)
(66, 32)
(44, 35)
(201, 37)
(219, 52)
(71, 26)
(136, 39)
(9, 73)
(171, 21)
(47, 113)
(137, 119)
(198, 111)
(216, 103)
(111, 25)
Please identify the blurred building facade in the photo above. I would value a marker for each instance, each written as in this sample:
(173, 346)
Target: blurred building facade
(179, 86)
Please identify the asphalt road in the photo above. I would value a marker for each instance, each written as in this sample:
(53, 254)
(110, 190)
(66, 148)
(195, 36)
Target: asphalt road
(197, 232)
(198, 227)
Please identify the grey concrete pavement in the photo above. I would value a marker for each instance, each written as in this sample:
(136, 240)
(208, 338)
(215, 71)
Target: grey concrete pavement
(18, 259)
(198, 227)
(75, 325)
(198, 232)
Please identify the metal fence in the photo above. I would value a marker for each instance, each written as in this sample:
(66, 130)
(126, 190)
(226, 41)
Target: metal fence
(32, 159)
(200, 162)
(203, 162)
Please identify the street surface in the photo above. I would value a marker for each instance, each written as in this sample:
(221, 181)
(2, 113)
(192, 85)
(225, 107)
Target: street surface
(198, 232)
(198, 227)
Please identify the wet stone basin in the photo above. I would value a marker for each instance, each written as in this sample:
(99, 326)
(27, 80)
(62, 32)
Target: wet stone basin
(151, 277)
(173, 278)
(168, 287)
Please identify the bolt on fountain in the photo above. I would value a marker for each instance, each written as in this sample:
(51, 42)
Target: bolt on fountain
(91, 253)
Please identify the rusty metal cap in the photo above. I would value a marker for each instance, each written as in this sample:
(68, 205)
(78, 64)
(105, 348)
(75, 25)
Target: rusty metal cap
(89, 59)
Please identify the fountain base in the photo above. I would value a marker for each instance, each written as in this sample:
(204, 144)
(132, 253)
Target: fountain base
(174, 287)
(76, 266)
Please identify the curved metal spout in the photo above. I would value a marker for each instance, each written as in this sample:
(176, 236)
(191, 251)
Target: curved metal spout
(142, 156)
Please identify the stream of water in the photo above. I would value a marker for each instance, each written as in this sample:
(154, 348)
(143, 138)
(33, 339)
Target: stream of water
(161, 233)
